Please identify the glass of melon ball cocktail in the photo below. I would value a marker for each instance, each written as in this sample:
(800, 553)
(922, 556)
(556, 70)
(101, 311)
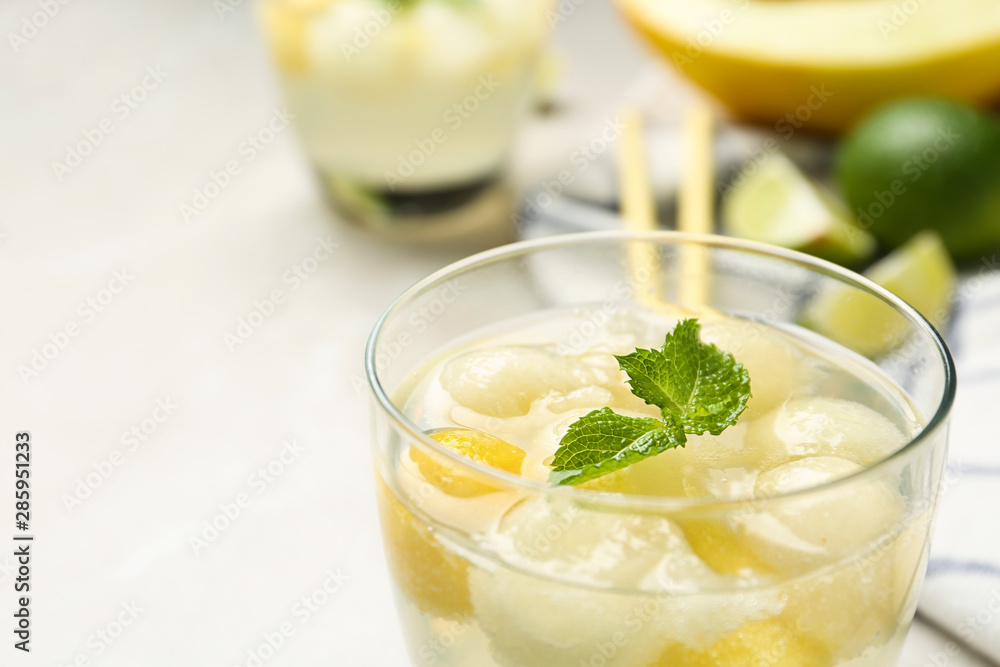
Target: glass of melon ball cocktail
(408, 109)
(581, 464)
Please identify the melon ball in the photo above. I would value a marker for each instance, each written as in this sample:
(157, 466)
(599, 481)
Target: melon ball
(776, 367)
(505, 381)
(802, 532)
(821, 426)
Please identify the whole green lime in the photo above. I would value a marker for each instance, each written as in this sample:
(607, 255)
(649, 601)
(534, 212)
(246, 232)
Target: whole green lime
(925, 163)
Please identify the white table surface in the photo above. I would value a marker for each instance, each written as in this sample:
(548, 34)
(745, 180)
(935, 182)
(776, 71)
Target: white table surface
(159, 340)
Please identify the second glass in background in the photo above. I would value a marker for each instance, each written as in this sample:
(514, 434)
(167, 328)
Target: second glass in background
(408, 109)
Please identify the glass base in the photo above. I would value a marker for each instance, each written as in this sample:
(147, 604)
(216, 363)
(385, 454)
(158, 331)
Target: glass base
(481, 208)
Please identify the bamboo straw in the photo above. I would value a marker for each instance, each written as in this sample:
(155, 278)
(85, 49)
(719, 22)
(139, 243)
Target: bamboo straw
(695, 211)
(638, 211)
(695, 203)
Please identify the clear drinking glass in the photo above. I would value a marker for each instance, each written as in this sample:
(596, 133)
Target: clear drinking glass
(515, 589)
(408, 108)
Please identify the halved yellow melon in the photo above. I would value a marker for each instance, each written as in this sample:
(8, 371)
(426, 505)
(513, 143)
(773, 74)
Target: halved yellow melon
(822, 64)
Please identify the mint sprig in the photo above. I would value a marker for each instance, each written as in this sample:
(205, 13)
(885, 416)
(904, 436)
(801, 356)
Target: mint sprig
(697, 387)
(604, 441)
(695, 383)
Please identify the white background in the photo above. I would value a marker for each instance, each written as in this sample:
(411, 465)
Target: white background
(161, 337)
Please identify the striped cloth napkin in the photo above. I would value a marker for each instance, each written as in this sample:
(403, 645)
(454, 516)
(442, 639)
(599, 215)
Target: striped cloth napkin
(962, 591)
(961, 595)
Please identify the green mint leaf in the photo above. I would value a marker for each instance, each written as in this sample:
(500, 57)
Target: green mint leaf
(603, 441)
(694, 382)
(697, 387)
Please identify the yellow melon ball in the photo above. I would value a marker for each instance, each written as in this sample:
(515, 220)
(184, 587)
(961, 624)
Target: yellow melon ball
(477, 446)
(429, 575)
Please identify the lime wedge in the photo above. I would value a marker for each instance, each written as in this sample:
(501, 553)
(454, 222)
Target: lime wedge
(777, 204)
(920, 272)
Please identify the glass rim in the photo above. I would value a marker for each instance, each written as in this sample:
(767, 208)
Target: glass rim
(506, 480)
